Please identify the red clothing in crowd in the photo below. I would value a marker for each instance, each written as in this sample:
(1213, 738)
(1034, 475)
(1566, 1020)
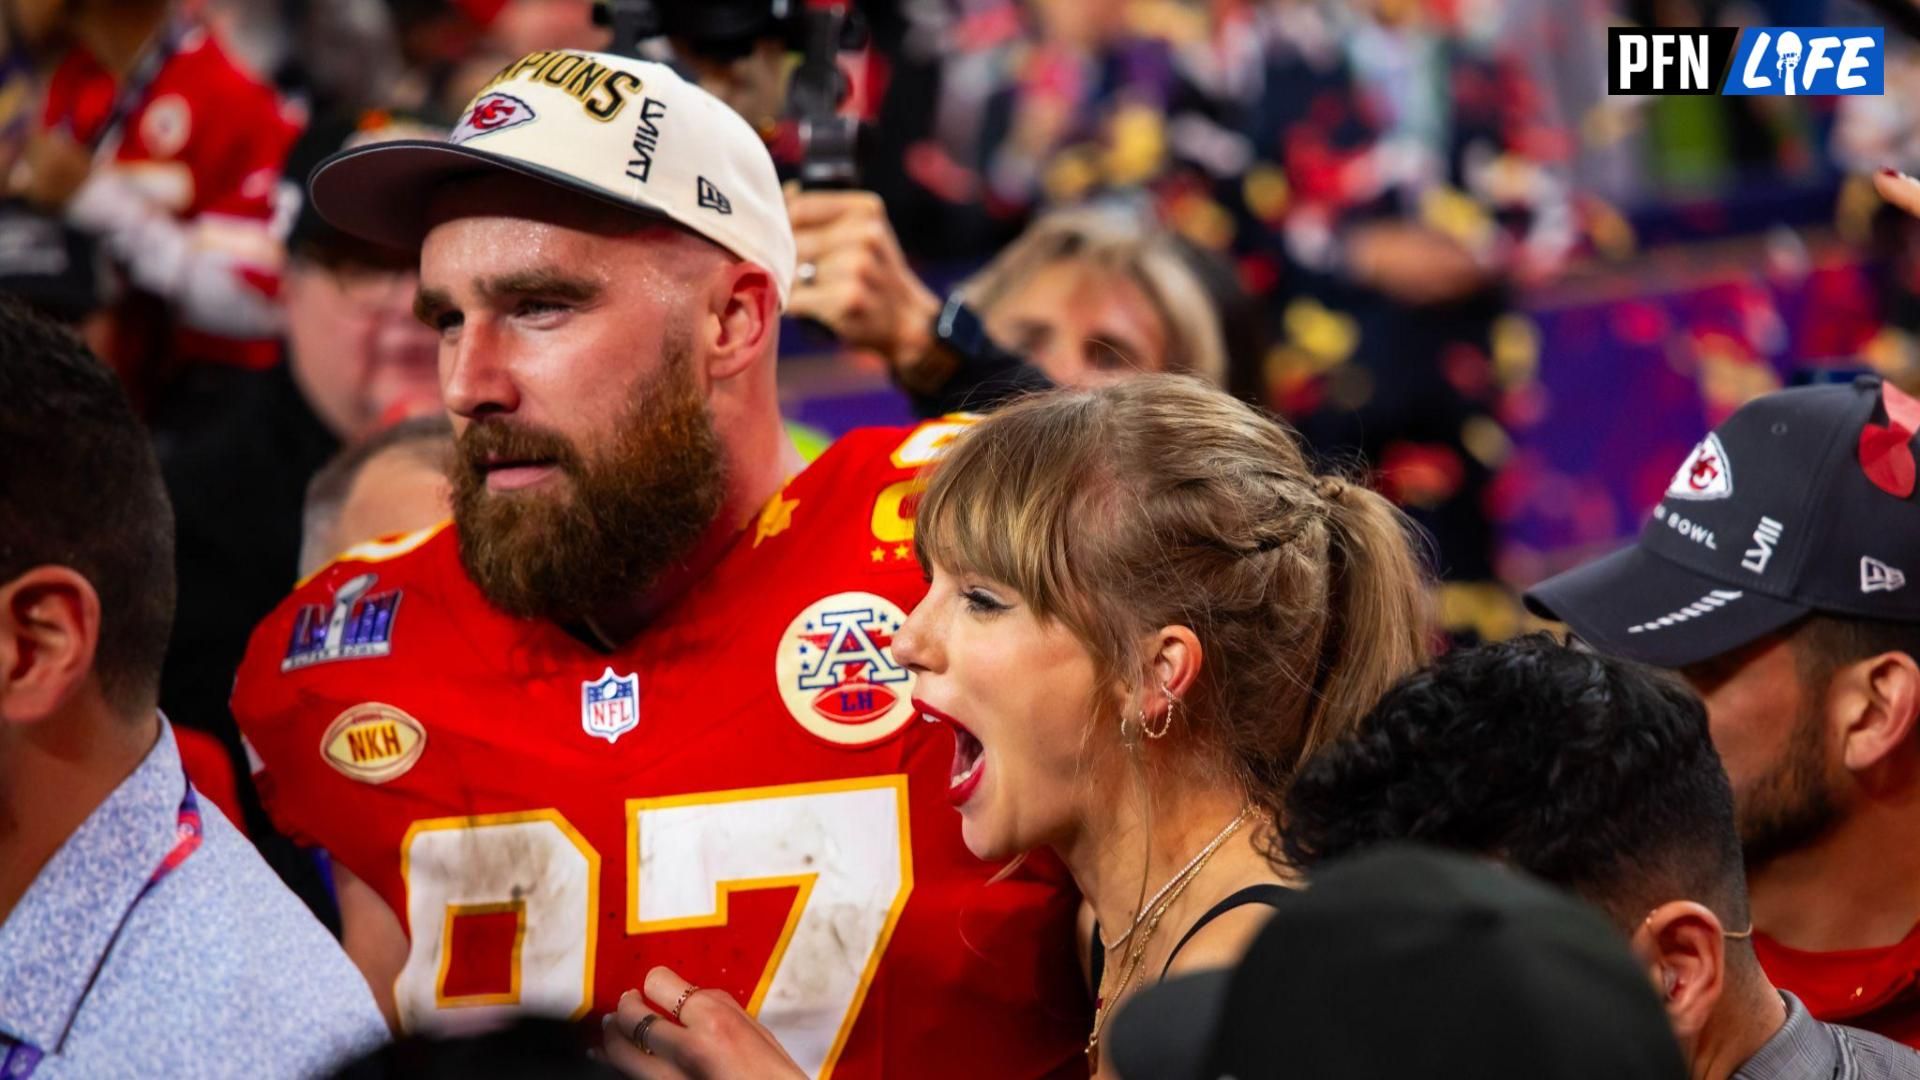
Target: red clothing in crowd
(187, 156)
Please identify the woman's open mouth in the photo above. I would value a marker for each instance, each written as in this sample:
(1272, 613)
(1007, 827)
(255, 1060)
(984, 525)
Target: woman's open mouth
(969, 757)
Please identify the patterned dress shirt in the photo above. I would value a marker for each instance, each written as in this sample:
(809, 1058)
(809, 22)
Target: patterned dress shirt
(1807, 1049)
(218, 971)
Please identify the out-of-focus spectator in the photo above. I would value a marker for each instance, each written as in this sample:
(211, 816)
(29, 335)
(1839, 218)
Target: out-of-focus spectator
(1599, 776)
(157, 142)
(392, 482)
(1409, 962)
(354, 359)
(334, 57)
(1773, 575)
(1085, 296)
(1094, 294)
(140, 935)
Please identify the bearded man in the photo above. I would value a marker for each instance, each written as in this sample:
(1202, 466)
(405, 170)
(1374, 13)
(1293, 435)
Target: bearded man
(1774, 576)
(637, 706)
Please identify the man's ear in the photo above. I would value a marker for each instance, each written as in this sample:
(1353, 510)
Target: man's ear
(1684, 948)
(1873, 705)
(49, 629)
(743, 320)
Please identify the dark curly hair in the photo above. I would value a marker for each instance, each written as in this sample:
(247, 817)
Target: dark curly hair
(1594, 773)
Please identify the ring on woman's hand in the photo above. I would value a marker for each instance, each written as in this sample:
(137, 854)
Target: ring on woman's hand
(640, 1032)
(806, 273)
(682, 1003)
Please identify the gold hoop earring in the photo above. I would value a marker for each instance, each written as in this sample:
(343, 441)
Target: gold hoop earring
(1166, 724)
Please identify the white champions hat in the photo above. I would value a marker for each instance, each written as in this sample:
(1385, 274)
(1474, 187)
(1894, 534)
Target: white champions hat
(628, 132)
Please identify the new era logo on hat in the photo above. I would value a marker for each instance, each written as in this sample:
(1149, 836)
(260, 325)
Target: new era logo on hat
(1876, 576)
(711, 198)
(1789, 507)
(627, 132)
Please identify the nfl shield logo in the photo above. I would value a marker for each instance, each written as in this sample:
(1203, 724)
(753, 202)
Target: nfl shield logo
(610, 705)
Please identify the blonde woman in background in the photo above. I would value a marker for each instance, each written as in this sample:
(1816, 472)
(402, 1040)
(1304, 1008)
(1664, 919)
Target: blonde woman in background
(1092, 294)
(1145, 611)
(1085, 295)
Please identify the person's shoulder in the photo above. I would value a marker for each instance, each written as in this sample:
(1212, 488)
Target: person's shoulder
(222, 938)
(202, 62)
(352, 609)
(883, 455)
(1876, 1057)
(425, 564)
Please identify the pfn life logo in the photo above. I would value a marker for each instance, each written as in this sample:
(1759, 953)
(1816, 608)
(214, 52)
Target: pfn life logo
(1772, 60)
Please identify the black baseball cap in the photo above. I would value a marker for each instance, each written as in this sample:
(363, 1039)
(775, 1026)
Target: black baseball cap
(1802, 501)
(1406, 961)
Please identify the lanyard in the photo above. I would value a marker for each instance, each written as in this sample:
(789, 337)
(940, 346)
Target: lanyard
(19, 1059)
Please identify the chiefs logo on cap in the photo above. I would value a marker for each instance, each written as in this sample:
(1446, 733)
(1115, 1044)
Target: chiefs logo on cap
(1706, 474)
(491, 113)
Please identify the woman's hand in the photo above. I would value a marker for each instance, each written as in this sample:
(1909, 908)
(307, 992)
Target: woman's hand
(714, 1039)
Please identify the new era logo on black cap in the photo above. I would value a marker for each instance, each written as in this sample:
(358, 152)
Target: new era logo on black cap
(1801, 501)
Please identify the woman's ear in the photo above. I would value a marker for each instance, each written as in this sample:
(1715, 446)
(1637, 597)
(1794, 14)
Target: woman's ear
(1174, 657)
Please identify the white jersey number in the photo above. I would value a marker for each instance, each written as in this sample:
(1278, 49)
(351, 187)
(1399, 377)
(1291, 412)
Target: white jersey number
(843, 845)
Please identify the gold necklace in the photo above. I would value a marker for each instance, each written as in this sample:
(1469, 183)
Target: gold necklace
(1213, 845)
(1152, 916)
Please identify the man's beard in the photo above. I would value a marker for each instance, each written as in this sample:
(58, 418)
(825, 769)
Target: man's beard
(603, 533)
(1794, 803)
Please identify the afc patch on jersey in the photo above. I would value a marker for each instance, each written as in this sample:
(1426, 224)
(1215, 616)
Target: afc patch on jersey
(610, 705)
(836, 672)
(373, 742)
(357, 626)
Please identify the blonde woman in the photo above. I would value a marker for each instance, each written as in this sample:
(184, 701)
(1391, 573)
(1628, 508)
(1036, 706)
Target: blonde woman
(1144, 611)
(1085, 296)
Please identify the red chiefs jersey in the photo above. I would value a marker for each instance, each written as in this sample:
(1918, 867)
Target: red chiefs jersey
(205, 143)
(740, 792)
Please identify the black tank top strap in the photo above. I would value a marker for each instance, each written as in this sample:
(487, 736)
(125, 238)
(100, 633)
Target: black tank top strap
(1097, 962)
(1270, 894)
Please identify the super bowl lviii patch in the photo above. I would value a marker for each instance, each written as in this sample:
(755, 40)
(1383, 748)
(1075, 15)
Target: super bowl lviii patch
(356, 626)
(836, 671)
